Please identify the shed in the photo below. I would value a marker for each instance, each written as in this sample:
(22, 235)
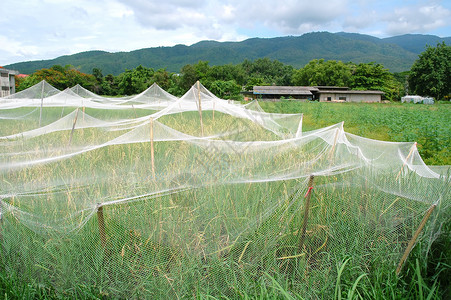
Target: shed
(277, 92)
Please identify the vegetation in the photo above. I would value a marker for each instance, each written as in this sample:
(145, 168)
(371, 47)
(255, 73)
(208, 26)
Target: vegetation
(349, 252)
(431, 72)
(395, 53)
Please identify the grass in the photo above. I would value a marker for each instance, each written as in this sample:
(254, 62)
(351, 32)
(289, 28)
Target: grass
(220, 239)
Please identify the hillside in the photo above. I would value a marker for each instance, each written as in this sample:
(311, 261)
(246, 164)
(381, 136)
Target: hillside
(395, 53)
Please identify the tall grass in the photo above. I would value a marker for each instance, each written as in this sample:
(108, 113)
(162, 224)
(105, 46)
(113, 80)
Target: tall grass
(222, 240)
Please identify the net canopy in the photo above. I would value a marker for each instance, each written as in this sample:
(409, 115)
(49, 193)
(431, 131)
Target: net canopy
(154, 195)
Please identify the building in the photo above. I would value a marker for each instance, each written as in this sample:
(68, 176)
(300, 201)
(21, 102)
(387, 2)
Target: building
(280, 92)
(344, 94)
(321, 93)
(7, 82)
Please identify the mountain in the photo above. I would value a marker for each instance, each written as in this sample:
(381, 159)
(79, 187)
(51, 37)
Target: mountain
(395, 53)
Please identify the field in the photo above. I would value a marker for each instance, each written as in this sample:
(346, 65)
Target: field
(427, 125)
(151, 213)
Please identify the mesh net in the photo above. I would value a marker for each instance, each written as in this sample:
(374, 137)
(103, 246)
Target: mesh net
(154, 195)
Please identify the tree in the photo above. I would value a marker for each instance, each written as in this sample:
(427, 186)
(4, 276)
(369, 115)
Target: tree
(430, 74)
(373, 76)
(320, 72)
(59, 77)
(225, 89)
(135, 81)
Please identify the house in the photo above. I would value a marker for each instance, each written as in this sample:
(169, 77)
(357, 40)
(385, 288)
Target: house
(7, 82)
(321, 93)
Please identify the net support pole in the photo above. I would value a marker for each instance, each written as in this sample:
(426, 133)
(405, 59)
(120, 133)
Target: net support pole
(407, 158)
(1, 219)
(200, 109)
(101, 223)
(42, 103)
(308, 195)
(152, 150)
(73, 127)
(414, 238)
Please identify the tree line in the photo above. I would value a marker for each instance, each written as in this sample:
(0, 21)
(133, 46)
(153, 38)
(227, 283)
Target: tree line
(429, 76)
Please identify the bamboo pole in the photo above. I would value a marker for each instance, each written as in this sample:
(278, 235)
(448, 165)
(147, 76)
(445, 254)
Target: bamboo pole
(73, 127)
(101, 223)
(200, 109)
(334, 145)
(414, 238)
(42, 103)
(1, 219)
(308, 195)
(152, 151)
(407, 158)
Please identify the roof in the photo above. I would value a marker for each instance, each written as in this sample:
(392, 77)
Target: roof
(283, 90)
(12, 72)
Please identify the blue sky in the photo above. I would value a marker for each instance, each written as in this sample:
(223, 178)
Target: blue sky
(45, 29)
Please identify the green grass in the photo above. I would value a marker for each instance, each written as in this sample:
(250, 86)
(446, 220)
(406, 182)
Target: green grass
(396, 122)
(219, 240)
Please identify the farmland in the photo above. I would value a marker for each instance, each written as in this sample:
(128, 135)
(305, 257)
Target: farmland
(429, 126)
(206, 205)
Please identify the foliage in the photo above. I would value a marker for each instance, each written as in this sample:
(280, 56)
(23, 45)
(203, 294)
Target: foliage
(394, 53)
(396, 122)
(431, 72)
(373, 76)
(59, 77)
(326, 73)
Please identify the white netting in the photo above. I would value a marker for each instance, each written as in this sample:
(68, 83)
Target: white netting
(154, 195)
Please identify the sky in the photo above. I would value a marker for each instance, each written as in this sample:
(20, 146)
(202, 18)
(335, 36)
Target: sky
(46, 29)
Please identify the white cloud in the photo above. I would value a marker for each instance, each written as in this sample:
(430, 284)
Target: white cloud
(418, 19)
(43, 29)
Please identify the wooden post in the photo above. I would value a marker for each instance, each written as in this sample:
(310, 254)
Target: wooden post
(414, 238)
(407, 158)
(152, 151)
(1, 219)
(200, 109)
(308, 195)
(214, 110)
(73, 127)
(42, 102)
(101, 223)
(333, 146)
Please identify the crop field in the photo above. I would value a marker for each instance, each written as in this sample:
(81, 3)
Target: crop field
(224, 201)
(428, 125)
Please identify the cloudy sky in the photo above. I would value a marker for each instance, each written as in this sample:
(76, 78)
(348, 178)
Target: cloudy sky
(44, 29)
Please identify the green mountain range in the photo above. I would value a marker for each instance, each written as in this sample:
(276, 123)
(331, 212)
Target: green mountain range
(395, 53)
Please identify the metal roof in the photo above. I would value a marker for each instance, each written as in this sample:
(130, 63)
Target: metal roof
(283, 90)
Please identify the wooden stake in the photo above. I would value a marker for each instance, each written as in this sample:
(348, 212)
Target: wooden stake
(42, 102)
(306, 211)
(407, 158)
(101, 223)
(1, 219)
(200, 109)
(152, 151)
(414, 238)
(73, 127)
(333, 146)
(214, 111)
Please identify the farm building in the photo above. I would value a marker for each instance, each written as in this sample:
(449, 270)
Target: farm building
(277, 92)
(321, 93)
(7, 82)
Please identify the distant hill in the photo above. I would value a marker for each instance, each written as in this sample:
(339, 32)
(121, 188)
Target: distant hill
(395, 53)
